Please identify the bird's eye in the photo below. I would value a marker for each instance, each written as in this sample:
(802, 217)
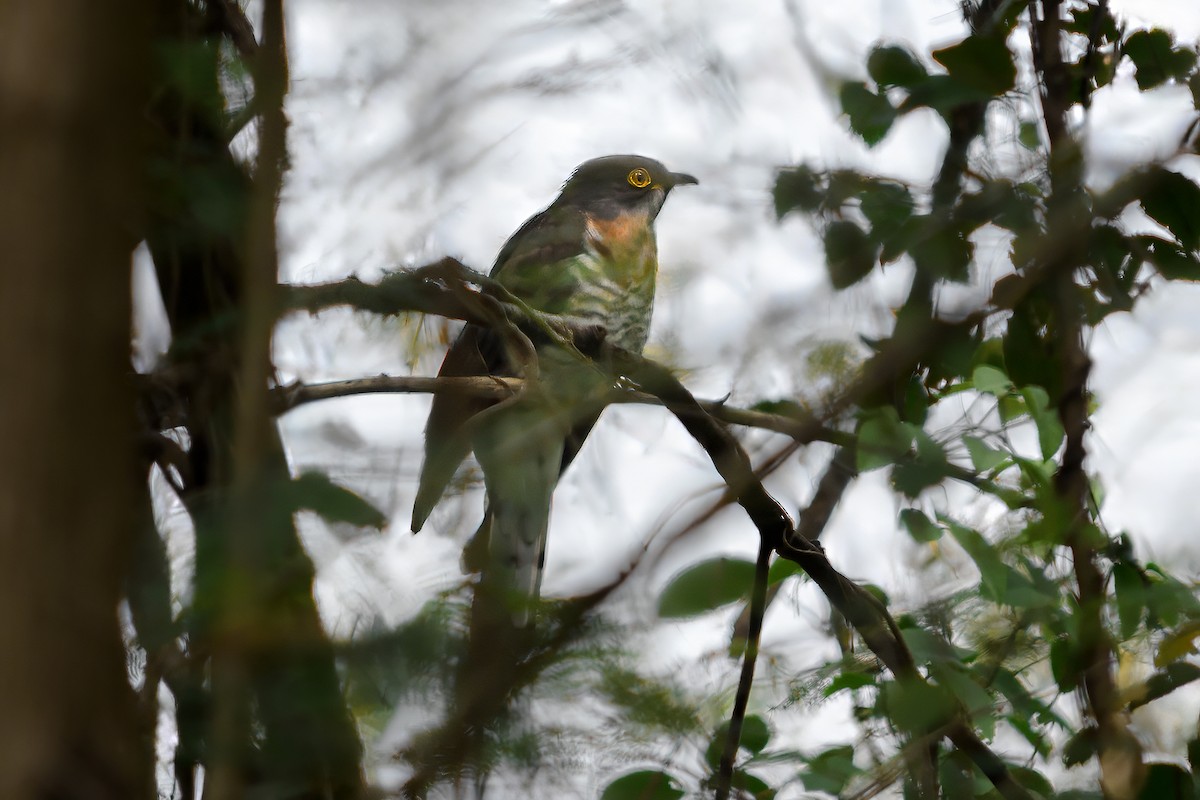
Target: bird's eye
(639, 178)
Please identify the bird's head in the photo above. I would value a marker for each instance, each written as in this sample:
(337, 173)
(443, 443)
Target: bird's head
(615, 184)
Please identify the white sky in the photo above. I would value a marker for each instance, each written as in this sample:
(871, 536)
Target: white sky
(427, 128)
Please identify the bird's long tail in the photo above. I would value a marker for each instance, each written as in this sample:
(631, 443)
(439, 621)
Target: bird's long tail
(521, 456)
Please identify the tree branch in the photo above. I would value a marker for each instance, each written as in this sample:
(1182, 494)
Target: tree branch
(775, 528)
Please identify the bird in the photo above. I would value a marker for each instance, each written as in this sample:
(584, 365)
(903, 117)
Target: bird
(590, 256)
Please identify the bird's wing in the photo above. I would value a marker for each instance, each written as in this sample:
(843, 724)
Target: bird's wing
(530, 265)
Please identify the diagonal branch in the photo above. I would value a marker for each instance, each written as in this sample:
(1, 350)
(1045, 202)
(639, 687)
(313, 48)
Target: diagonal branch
(859, 606)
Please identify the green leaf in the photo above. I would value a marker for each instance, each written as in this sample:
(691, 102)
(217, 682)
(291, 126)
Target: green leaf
(314, 491)
(943, 94)
(929, 648)
(1167, 782)
(928, 467)
(887, 206)
(705, 587)
(1172, 261)
(984, 457)
(644, 785)
(752, 786)
(798, 187)
(991, 380)
(781, 569)
(943, 251)
(920, 527)
(754, 738)
(916, 401)
(916, 706)
(1177, 644)
(850, 255)
(895, 66)
(849, 680)
(882, 439)
(871, 115)
(1172, 200)
(1030, 136)
(980, 62)
(973, 697)
(1156, 58)
(1050, 429)
(1029, 356)
(831, 770)
(755, 734)
(991, 569)
(1064, 664)
(1172, 677)
(1130, 598)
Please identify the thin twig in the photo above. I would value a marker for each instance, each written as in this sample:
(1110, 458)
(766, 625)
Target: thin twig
(758, 608)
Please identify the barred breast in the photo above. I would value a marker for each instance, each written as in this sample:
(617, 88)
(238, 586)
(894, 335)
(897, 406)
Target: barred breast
(616, 278)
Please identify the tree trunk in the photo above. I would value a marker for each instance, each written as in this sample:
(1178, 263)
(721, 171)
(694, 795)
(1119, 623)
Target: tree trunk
(71, 93)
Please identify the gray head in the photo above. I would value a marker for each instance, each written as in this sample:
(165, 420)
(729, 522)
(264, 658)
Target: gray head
(614, 184)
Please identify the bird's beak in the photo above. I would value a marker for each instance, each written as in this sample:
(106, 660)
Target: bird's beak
(682, 179)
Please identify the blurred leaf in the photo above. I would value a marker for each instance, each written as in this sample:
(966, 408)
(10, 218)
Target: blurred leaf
(755, 736)
(1029, 135)
(943, 94)
(882, 439)
(942, 251)
(1064, 664)
(999, 582)
(1172, 201)
(984, 457)
(644, 785)
(654, 704)
(920, 527)
(927, 467)
(1170, 678)
(1028, 354)
(1082, 20)
(1023, 702)
(915, 706)
(798, 187)
(1049, 426)
(980, 62)
(887, 206)
(871, 115)
(895, 66)
(1177, 644)
(314, 491)
(1171, 261)
(1167, 782)
(705, 587)
(850, 255)
(847, 679)
(781, 569)
(990, 380)
(831, 770)
(751, 785)
(929, 648)
(1081, 747)
(916, 401)
(1156, 58)
(1130, 593)
(973, 697)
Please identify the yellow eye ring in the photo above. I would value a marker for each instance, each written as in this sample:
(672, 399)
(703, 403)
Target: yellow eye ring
(639, 178)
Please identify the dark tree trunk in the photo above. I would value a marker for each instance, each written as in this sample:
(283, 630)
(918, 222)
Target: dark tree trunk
(71, 93)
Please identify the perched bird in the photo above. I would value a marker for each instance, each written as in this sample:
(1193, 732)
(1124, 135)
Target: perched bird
(590, 256)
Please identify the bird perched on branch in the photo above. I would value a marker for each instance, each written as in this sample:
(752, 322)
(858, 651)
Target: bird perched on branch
(590, 257)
